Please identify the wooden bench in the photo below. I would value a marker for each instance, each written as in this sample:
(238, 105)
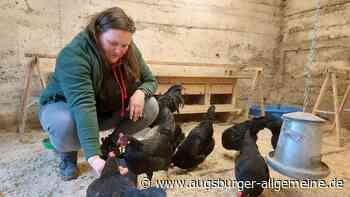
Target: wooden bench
(204, 84)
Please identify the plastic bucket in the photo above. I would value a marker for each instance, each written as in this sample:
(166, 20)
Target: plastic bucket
(274, 110)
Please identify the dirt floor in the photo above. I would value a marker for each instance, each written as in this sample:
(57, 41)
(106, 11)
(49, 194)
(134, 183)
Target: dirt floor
(27, 169)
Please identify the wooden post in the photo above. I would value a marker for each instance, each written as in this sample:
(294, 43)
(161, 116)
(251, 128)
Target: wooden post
(342, 104)
(234, 93)
(336, 113)
(345, 98)
(41, 77)
(261, 96)
(251, 93)
(207, 94)
(26, 93)
(321, 94)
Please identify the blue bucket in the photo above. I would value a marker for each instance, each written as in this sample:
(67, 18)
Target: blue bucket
(274, 110)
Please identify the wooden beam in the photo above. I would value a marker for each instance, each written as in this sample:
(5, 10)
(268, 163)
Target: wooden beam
(22, 118)
(238, 67)
(336, 107)
(193, 89)
(41, 77)
(198, 89)
(194, 80)
(322, 92)
(189, 109)
(223, 88)
(324, 111)
(338, 69)
(40, 55)
(195, 71)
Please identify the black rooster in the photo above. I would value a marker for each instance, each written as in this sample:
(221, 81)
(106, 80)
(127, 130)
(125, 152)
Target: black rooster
(112, 183)
(198, 144)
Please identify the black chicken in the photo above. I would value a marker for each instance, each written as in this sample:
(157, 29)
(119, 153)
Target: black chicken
(171, 99)
(274, 125)
(151, 149)
(250, 165)
(198, 144)
(232, 137)
(112, 183)
(154, 153)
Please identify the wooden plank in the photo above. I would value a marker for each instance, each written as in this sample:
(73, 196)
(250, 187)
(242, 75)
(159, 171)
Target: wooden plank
(193, 89)
(154, 62)
(194, 80)
(233, 67)
(189, 109)
(221, 88)
(324, 111)
(195, 71)
(183, 69)
(40, 55)
(338, 68)
(260, 69)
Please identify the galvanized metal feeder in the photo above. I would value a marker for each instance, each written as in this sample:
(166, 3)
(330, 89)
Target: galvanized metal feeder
(298, 151)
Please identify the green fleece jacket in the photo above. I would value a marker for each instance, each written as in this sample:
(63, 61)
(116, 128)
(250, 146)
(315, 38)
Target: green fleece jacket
(77, 79)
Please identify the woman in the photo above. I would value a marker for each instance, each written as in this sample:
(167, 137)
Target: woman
(100, 82)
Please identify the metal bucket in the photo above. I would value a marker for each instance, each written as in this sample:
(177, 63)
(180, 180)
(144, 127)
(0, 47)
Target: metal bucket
(298, 151)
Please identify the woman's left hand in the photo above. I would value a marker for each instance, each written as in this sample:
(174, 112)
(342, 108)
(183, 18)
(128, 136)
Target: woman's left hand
(136, 105)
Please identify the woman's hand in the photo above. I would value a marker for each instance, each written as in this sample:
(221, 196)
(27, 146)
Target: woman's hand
(136, 104)
(97, 164)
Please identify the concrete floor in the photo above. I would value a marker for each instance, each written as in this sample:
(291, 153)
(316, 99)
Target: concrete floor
(27, 169)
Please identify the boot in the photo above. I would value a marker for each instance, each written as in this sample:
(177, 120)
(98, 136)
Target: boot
(68, 165)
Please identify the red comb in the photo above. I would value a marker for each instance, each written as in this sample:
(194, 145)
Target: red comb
(240, 194)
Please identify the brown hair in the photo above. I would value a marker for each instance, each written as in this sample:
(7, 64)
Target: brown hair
(115, 18)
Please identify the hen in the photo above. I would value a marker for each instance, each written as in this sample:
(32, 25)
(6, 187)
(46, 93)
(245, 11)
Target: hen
(250, 166)
(232, 137)
(171, 99)
(198, 144)
(151, 149)
(274, 125)
(112, 183)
